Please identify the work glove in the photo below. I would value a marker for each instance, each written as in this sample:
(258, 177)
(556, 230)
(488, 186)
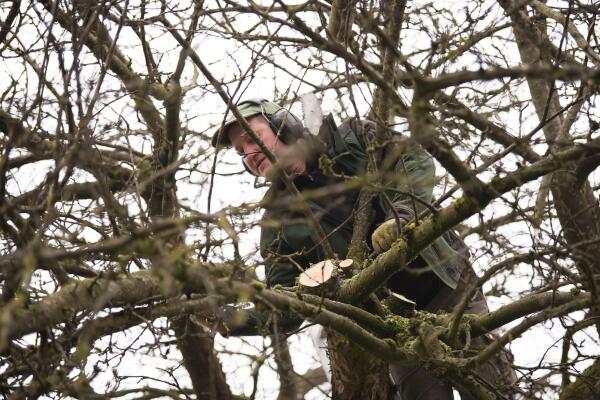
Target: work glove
(385, 235)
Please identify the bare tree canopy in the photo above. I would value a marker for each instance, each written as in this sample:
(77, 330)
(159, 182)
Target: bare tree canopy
(127, 240)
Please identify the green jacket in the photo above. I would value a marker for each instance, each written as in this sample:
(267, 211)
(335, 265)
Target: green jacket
(288, 245)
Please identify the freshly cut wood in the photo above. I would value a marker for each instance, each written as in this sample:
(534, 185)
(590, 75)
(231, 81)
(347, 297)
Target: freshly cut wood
(317, 274)
(346, 263)
(400, 305)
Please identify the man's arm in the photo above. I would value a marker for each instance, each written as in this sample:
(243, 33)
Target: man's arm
(408, 190)
(410, 185)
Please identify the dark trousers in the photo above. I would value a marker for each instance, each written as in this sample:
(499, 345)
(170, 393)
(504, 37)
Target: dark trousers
(431, 294)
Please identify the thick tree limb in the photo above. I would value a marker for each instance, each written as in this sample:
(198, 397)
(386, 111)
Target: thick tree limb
(341, 17)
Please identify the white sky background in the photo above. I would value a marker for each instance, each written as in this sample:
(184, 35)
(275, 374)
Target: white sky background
(203, 111)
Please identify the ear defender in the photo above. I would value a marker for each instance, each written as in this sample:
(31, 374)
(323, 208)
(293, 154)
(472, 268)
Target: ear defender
(286, 126)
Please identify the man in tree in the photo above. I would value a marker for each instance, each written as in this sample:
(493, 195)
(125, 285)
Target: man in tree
(278, 148)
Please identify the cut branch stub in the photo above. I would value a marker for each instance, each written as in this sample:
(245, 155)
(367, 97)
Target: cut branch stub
(317, 274)
(346, 267)
(400, 305)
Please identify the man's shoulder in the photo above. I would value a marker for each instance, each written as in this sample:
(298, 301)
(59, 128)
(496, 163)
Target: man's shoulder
(362, 130)
(358, 126)
(352, 131)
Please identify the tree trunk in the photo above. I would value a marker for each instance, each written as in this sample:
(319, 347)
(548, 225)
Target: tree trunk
(196, 346)
(355, 373)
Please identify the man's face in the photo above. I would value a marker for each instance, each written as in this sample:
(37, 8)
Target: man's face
(255, 160)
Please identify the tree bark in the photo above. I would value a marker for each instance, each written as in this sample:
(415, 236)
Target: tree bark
(197, 348)
(288, 384)
(356, 374)
(587, 385)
